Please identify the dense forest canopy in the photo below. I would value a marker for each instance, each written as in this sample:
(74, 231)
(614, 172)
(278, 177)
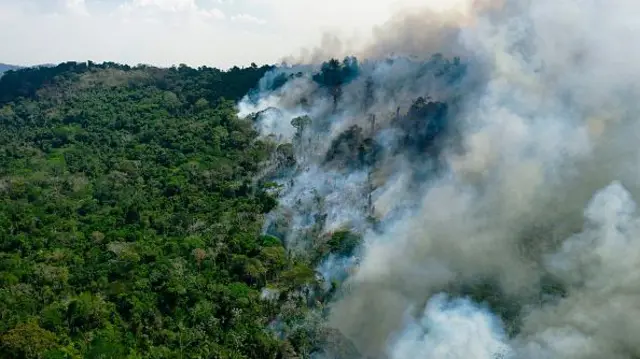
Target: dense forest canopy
(130, 221)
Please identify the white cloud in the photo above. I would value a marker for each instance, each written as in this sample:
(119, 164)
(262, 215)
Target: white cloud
(165, 5)
(214, 13)
(77, 7)
(174, 8)
(246, 18)
(213, 32)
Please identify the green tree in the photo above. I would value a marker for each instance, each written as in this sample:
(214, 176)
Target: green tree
(27, 340)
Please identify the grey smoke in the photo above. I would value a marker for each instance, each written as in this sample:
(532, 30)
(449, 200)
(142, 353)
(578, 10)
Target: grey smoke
(539, 185)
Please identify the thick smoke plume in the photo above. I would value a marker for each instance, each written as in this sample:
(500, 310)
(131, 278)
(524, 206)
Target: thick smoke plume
(493, 184)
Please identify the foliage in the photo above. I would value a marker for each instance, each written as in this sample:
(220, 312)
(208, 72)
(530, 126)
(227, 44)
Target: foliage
(129, 218)
(27, 340)
(334, 74)
(425, 121)
(344, 243)
(352, 149)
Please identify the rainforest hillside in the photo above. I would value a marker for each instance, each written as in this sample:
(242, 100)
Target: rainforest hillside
(130, 221)
(465, 186)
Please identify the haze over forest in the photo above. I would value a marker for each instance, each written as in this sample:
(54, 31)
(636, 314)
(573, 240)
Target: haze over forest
(458, 181)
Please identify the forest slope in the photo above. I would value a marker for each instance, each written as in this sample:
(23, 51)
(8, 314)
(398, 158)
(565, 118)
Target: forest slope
(129, 221)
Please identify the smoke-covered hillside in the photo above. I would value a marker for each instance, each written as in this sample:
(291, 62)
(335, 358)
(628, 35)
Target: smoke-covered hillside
(471, 196)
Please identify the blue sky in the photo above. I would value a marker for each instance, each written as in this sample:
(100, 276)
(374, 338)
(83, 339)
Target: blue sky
(164, 32)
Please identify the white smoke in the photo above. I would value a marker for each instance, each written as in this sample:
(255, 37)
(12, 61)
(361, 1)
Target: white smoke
(545, 125)
(456, 329)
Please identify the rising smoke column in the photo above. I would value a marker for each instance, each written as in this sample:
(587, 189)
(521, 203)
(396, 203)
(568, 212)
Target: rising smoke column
(538, 189)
